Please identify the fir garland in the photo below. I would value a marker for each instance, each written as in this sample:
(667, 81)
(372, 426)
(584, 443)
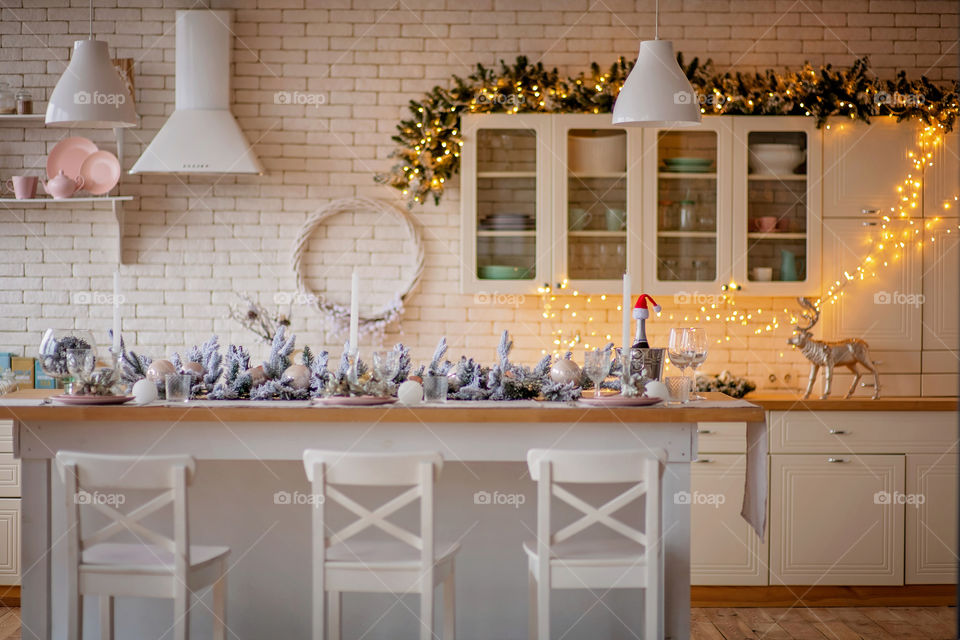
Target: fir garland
(429, 141)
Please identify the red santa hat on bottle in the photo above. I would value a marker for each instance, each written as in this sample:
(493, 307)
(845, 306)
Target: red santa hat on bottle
(640, 311)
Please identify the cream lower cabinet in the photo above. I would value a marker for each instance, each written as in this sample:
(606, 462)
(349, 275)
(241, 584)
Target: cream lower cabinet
(9, 508)
(724, 549)
(931, 518)
(834, 519)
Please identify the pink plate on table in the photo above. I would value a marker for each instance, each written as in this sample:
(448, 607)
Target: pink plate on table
(353, 401)
(617, 400)
(86, 400)
(68, 156)
(100, 172)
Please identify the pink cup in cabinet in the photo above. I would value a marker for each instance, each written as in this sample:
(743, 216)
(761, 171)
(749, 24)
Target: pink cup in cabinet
(23, 187)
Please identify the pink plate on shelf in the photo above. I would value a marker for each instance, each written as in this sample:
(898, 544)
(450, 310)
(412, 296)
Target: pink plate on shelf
(100, 172)
(353, 401)
(68, 156)
(617, 400)
(68, 399)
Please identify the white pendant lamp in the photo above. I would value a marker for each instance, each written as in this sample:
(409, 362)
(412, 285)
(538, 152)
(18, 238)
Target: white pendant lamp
(656, 93)
(91, 93)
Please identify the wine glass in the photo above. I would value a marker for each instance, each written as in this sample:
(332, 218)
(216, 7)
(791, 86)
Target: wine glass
(698, 346)
(386, 365)
(678, 348)
(596, 366)
(80, 364)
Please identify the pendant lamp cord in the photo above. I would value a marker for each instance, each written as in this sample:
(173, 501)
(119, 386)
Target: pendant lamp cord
(91, 19)
(656, 28)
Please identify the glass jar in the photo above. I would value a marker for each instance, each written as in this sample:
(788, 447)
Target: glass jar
(24, 102)
(8, 100)
(688, 215)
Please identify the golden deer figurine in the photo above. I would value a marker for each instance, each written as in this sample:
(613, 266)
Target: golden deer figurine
(846, 353)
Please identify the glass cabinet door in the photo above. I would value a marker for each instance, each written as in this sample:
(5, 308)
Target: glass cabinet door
(592, 205)
(777, 205)
(686, 208)
(504, 194)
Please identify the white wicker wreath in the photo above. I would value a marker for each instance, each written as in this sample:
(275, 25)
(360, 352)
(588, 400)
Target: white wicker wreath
(338, 316)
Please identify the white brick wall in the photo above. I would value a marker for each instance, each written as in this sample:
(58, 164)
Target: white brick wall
(193, 241)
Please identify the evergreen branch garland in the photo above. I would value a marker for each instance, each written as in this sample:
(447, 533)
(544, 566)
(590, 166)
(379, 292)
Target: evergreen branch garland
(429, 140)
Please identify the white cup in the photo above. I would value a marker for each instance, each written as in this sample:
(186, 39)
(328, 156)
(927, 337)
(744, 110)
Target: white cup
(616, 219)
(761, 274)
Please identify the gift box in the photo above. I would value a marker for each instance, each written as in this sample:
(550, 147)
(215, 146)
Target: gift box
(5, 361)
(23, 371)
(42, 380)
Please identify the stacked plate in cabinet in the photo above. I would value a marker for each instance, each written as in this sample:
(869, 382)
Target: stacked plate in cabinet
(80, 157)
(508, 222)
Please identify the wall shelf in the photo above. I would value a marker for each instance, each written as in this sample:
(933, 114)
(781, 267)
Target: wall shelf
(506, 234)
(21, 119)
(617, 175)
(597, 234)
(506, 174)
(758, 235)
(687, 234)
(784, 178)
(676, 175)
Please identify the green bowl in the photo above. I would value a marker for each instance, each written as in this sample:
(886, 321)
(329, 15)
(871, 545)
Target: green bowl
(688, 161)
(503, 272)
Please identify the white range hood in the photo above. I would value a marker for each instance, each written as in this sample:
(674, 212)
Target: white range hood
(201, 136)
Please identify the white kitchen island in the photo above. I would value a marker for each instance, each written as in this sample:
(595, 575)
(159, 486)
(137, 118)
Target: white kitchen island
(249, 480)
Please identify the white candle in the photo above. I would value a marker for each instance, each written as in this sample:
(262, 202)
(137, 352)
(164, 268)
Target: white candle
(627, 309)
(355, 312)
(116, 313)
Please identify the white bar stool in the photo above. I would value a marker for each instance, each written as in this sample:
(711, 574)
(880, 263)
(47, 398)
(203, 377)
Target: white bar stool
(406, 564)
(619, 557)
(155, 566)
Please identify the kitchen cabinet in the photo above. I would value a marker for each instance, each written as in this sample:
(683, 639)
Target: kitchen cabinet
(941, 324)
(863, 164)
(830, 523)
(9, 508)
(724, 550)
(776, 180)
(941, 182)
(885, 310)
(931, 518)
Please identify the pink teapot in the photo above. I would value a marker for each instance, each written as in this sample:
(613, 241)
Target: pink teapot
(62, 186)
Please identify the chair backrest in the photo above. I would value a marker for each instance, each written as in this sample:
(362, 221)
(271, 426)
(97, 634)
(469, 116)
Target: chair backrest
(98, 480)
(418, 470)
(548, 467)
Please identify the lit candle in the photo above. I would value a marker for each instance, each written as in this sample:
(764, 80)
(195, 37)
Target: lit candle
(627, 307)
(116, 313)
(354, 312)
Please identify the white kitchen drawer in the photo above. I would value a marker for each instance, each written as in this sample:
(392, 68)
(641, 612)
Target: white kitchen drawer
(724, 550)
(721, 437)
(6, 436)
(862, 432)
(9, 541)
(9, 476)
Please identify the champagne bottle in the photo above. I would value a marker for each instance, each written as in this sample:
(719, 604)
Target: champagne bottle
(641, 313)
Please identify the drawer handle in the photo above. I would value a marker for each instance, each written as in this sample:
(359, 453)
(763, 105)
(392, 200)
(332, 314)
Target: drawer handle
(835, 460)
(869, 212)
(703, 460)
(837, 432)
(868, 224)
(704, 432)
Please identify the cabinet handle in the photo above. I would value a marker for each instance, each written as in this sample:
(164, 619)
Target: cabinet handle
(869, 212)
(703, 460)
(837, 432)
(835, 460)
(868, 224)
(704, 431)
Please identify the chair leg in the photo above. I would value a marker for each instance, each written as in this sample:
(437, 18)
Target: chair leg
(426, 613)
(220, 608)
(106, 617)
(543, 609)
(449, 607)
(181, 614)
(74, 616)
(651, 613)
(531, 606)
(333, 615)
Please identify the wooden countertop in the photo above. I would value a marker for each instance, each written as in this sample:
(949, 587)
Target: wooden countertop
(452, 412)
(792, 402)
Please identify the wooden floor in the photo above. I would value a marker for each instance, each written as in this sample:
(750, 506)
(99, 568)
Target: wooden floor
(842, 623)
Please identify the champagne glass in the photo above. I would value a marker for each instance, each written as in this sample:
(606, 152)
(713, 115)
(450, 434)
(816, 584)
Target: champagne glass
(678, 348)
(386, 365)
(596, 366)
(698, 344)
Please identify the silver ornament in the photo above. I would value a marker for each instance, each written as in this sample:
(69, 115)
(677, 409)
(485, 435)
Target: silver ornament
(564, 371)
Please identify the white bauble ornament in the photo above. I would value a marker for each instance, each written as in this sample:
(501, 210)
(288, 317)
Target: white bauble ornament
(410, 392)
(297, 376)
(257, 376)
(195, 369)
(564, 371)
(144, 391)
(159, 370)
(656, 389)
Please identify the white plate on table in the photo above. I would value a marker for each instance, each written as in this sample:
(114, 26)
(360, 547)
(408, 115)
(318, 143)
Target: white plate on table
(87, 400)
(617, 400)
(353, 401)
